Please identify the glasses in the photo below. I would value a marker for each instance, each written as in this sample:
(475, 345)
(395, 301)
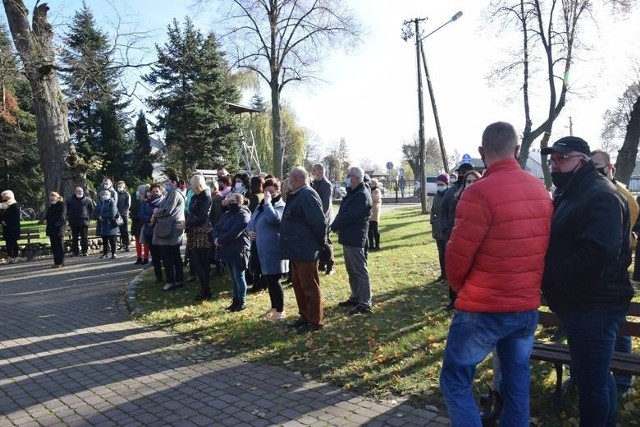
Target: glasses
(560, 159)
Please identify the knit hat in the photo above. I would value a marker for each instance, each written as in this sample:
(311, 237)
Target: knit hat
(443, 177)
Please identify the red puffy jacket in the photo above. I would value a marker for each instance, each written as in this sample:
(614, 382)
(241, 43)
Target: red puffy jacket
(495, 257)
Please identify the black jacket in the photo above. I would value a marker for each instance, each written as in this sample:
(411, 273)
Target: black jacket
(231, 234)
(589, 248)
(303, 228)
(10, 219)
(323, 187)
(352, 221)
(79, 211)
(56, 219)
(199, 208)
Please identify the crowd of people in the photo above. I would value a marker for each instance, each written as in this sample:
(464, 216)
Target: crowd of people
(503, 241)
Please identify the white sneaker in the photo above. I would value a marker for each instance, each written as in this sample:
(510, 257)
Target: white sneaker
(277, 315)
(269, 314)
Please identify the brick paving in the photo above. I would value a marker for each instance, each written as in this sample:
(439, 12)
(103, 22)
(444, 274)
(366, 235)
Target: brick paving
(70, 355)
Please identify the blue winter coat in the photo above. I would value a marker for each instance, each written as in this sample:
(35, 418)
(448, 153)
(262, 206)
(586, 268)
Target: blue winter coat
(105, 214)
(265, 221)
(231, 235)
(352, 221)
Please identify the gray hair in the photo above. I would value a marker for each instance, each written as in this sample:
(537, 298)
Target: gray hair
(142, 191)
(357, 172)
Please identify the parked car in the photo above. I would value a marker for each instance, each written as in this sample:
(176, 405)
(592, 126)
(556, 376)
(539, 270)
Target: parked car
(432, 188)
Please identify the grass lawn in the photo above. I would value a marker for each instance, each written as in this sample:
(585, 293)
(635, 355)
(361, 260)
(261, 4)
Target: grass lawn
(395, 351)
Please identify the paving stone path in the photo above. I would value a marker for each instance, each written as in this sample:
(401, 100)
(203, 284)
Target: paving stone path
(71, 356)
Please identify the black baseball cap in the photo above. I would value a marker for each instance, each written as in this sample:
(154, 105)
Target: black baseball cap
(568, 144)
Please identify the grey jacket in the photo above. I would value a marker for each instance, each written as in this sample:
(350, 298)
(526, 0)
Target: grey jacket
(168, 215)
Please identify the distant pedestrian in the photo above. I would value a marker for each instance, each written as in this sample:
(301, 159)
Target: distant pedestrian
(56, 220)
(106, 227)
(437, 232)
(352, 225)
(137, 224)
(124, 206)
(402, 184)
(303, 230)
(323, 186)
(374, 218)
(79, 212)
(10, 218)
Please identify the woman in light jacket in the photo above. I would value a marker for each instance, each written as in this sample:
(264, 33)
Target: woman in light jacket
(264, 228)
(374, 217)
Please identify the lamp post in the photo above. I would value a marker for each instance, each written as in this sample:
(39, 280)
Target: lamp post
(407, 33)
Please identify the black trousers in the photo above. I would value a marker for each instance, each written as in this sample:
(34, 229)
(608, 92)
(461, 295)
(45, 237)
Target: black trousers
(79, 232)
(57, 248)
(442, 245)
(12, 247)
(374, 235)
(172, 263)
(108, 242)
(156, 259)
(199, 261)
(276, 293)
(124, 232)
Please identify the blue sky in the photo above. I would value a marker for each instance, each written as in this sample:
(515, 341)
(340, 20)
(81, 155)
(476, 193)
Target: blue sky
(370, 96)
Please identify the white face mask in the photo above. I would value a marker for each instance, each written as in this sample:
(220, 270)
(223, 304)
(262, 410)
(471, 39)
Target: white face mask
(239, 186)
(105, 197)
(3, 206)
(442, 187)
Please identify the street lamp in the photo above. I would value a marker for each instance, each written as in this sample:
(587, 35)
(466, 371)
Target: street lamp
(407, 33)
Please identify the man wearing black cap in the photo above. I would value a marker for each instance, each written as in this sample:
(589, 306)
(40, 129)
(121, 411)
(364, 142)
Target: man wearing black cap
(448, 213)
(585, 277)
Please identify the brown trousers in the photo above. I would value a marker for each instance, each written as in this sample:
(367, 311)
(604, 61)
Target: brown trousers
(306, 286)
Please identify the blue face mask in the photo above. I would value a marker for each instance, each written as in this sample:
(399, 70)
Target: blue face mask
(347, 182)
(168, 187)
(105, 197)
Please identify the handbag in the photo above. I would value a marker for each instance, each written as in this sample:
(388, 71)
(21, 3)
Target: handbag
(163, 227)
(119, 220)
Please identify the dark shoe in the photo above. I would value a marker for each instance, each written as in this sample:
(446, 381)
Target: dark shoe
(254, 289)
(239, 307)
(490, 407)
(233, 305)
(103, 256)
(360, 309)
(298, 323)
(57, 265)
(376, 249)
(138, 261)
(201, 297)
(330, 272)
(308, 327)
(172, 286)
(126, 249)
(449, 306)
(192, 279)
(113, 256)
(348, 303)
(84, 254)
(145, 261)
(322, 268)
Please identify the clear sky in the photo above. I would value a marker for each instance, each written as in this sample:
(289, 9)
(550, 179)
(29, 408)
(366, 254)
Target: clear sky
(370, 95)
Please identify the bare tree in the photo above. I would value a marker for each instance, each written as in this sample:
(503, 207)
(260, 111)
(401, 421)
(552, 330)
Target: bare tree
(549, 33)
(283, 42)
(629, 110)
(63, 168)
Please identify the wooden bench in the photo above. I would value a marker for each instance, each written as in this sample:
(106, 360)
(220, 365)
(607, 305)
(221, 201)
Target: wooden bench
(30, 243)
(95, 242)
(558, 354)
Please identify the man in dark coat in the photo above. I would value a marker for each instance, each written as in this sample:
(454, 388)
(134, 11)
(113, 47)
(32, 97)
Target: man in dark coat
(352, 225)
(303, 230)
(79, 212)
(585, 276)
(324, 189)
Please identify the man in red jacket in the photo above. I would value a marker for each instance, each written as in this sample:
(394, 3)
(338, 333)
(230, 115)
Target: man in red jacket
(495, 261)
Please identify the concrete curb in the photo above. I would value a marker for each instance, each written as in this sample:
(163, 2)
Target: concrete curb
(131, 296)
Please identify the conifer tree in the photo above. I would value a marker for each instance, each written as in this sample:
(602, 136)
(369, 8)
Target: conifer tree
(192, 87)
(141, 166)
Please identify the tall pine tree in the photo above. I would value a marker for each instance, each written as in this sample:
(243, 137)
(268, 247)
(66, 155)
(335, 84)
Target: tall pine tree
(141, 165)
(192, 86)
(97, 107)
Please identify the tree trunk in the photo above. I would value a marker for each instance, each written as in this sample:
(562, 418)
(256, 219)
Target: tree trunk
(63, 169)
(626, 161)
(276, 127)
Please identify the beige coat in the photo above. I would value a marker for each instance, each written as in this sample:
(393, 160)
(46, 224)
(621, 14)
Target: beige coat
(376, 199)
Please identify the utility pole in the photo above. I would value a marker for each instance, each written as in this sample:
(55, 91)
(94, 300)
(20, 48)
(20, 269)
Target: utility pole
(422, 146)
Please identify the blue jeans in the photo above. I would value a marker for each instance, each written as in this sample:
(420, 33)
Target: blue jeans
(592, 337)
(238, 281)
(471, 338)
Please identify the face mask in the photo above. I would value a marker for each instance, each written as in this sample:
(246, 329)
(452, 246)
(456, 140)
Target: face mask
(347, 182)
(602, 171)
(105, 197)
(239, 186)
(52, 201)
(561, 179)
(120, 189)
(106, 185)
(79, 195)
(3, 206)
(441, 188)
(168, 187)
